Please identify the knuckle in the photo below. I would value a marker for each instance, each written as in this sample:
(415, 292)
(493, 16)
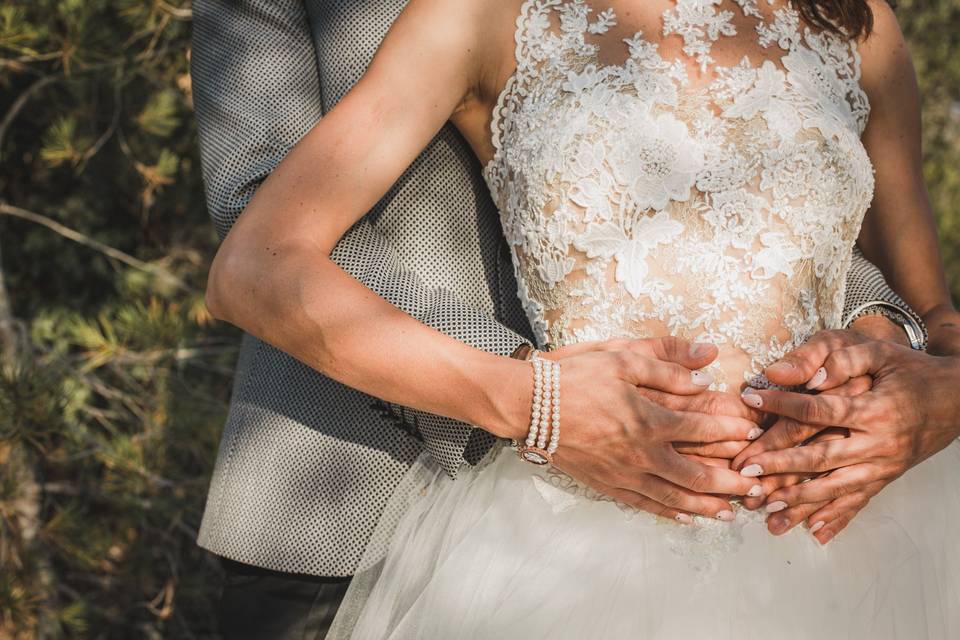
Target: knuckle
(716, 405)
(673, 346)
(661, 510)
(886, 448)
(794, 432)
(811, 411)
(671, 497)
(821, 459)
(700, 481)
(837, 491)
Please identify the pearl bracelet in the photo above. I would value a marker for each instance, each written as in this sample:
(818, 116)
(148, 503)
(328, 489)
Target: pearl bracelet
(543, 437)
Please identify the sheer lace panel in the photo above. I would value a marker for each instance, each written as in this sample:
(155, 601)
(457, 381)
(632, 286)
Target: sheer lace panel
(696, 171)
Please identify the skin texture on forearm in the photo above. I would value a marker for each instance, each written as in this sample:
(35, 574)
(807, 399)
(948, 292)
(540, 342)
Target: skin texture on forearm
(943, 326)
(306, 306)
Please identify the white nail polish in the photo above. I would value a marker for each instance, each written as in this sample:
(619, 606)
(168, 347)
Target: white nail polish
(755, 433)
(726, 515)
(773, 507)
(755, 491)
(683, 518)
(817, 526)
(752, 398)
(818, 378)
(701, 379)
(751, 471)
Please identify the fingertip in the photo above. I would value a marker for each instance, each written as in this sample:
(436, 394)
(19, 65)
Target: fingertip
(752, 470)
(786, 373)
(703, 352)
(778, 524)
(751, 397)
(701, 379)
(817, 380)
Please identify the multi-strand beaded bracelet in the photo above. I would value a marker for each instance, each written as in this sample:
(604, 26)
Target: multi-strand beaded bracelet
(544, 435)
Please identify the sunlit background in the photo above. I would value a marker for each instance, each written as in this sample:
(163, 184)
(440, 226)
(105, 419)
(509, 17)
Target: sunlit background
(114, 378)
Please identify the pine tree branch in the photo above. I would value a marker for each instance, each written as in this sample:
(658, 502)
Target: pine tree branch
(21, 102)
(179, 13)
(79, 238)
(114, 122)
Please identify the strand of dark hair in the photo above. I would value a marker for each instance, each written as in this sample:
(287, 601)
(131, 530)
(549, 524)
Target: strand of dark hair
(849, 18)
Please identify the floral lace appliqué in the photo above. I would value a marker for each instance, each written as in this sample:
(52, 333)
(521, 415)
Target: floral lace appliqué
(639, 201)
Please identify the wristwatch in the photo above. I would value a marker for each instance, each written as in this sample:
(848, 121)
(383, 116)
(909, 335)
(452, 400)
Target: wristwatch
(913, 327)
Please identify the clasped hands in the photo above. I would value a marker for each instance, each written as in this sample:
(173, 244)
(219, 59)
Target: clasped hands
(652, 436)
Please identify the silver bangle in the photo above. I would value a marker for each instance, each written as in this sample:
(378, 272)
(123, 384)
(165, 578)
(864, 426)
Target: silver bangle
(916, 333)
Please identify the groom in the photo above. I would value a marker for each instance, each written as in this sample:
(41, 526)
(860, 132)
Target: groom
(306, 465)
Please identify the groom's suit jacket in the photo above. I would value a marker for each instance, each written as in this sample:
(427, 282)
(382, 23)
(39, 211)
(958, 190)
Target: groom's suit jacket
(306, 465)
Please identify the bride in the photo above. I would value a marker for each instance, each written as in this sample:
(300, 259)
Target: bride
(689, 168)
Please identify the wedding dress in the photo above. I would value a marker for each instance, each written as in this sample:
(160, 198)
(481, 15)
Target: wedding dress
(660, 179)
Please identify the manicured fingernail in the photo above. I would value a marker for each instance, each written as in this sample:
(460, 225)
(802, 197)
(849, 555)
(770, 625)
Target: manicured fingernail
(751, 471)
(700, 349)
(818, 378)
(683, 518)
(726, 515)
(755, 433)
(779, 524)
(701, 379)
(817, 526)
(755, 491)
(752, 398)
(781, 367)
(773, 507)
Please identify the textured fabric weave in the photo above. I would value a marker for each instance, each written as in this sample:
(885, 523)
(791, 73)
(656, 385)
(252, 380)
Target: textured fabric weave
(306, 465)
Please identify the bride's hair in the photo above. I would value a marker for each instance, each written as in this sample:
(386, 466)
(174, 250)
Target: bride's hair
(849, 18)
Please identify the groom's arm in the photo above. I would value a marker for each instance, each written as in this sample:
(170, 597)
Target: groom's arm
(256, 94)
(869, 294)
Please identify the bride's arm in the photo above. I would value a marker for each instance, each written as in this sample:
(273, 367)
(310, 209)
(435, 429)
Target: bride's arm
(899, 233)
(273, 275)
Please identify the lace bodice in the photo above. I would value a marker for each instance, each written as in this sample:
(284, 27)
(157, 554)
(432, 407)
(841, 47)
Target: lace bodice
(650, 193)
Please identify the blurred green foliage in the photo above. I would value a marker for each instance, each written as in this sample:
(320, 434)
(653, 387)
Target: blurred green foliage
(114, 380)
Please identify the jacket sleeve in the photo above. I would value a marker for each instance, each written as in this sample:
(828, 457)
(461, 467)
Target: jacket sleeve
(868, 292)
(256, 94)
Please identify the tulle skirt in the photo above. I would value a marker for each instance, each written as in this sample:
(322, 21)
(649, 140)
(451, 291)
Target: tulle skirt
(510, 550)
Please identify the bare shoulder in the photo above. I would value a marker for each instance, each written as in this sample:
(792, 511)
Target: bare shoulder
(886, 65)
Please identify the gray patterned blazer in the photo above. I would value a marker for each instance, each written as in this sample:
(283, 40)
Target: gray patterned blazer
(306, 465)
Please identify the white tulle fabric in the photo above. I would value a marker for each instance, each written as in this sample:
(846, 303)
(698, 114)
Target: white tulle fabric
(646, 194)
(505, 553)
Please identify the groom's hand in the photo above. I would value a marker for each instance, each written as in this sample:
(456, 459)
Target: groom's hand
(911, 412)
(618, 441)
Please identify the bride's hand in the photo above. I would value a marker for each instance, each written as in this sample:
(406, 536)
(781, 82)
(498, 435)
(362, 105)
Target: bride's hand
(619, 442)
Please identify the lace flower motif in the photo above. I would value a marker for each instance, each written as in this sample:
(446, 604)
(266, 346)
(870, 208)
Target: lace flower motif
(700, 25)
(660, 164)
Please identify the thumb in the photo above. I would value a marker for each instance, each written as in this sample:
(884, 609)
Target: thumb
(692, 355)
(800, 365)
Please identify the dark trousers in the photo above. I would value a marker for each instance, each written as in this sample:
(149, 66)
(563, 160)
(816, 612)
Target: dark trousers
(262, 604)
